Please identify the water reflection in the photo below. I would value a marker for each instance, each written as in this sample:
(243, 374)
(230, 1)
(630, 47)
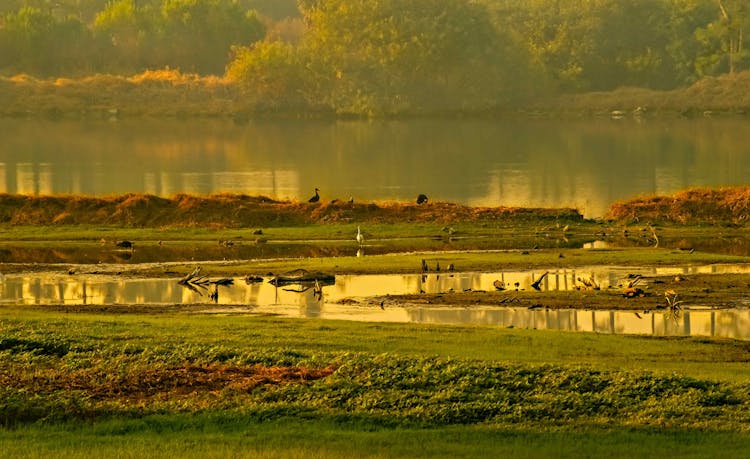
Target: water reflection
(344, 299)
(730, 323)
(585, 164)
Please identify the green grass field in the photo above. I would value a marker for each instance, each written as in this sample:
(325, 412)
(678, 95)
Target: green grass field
(184, 385)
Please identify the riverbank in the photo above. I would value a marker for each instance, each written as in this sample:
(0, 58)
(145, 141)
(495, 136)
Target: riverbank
(169, 93)
(728, 207)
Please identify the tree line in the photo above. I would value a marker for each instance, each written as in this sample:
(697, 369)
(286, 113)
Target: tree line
(385, 56)
(80, 37)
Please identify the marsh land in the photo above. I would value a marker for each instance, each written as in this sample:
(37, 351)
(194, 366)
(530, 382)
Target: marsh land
(79, 373)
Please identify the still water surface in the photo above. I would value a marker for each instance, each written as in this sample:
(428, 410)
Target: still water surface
(586, 164)
(347, 299)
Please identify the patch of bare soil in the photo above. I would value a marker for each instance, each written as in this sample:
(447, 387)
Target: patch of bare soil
(162, 382)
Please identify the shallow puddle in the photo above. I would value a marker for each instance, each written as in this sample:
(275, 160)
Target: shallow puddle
(347, 299)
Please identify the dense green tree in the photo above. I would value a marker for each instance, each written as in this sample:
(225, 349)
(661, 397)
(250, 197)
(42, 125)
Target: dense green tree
(396, 56)
(723, 39)
(274, 73)
(124, 28)
(603, 44)
(34, 41)
(685, 17)
(192, 35)
(196, 35)
(385, 56)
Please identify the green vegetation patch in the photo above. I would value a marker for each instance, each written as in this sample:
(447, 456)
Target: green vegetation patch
(147, 366)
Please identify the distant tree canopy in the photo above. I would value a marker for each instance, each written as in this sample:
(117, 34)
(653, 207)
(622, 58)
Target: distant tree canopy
(389, 57)
(385, 56)
(192, 35)
(604, 44)
(125, 36)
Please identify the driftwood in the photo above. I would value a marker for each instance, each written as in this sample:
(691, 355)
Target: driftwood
(194, 279)
(302, 276)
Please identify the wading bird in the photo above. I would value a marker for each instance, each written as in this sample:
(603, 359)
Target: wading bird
(315, 198)
(421, 199)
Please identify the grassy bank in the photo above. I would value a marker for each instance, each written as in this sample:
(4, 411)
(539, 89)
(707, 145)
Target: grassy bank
(725, 94)
(169, 93)
(337, 389)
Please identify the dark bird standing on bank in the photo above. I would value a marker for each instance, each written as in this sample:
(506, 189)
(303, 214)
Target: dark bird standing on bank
(421, 199)
(315, 198)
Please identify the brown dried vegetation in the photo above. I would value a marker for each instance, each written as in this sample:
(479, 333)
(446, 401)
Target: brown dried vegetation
(234, 211)
(153, 93)
(693, 206)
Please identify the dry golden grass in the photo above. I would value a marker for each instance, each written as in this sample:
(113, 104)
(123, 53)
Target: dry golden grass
(236, 211)
(155, 92)
(698, 205)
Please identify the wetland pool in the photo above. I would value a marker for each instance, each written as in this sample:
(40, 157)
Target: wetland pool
(351, 298)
